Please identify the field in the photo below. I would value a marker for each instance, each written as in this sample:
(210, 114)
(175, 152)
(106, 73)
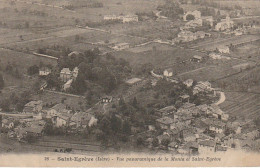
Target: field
(76, 103)
(246, 105)
(235, 40)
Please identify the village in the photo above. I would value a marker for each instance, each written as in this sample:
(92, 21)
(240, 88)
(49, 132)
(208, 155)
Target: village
(99, 99)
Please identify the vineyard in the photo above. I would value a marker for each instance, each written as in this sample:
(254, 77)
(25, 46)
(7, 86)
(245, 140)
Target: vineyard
(242, 104)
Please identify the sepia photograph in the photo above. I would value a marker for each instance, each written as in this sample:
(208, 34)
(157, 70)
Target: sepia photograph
(129, 83)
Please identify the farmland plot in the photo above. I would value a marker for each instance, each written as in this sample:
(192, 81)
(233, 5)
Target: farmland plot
(245, 105)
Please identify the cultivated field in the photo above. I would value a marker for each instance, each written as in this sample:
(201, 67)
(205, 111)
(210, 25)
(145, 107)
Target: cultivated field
(246, 105)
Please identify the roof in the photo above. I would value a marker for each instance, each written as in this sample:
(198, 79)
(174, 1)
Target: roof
(169, 70)
(172, 144)
(197, 57)
(74, 53)
(165, 120)
(66, 71)
(220, 135)
(133, 80)
(33, 103)
(81, 117)
(207, 143)
(59, 107)
(35, 129)
(45, 69)
(167, 109)
(185, 96)
(221, 148)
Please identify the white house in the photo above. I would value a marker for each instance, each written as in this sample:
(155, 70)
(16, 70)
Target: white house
(120, 46)
(166, 123)
(168, 72)
(224, 24)
(33, 107)
(207, 147)
(188, 82)
(130, 18)
(67, 85)
(44, 71)
(223, 49)
(65, 74)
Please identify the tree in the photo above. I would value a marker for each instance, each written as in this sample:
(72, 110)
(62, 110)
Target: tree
(126, 128)
(155, 142)
(2, 82)
(5, 105)
(190, 17)
(139, 141)
(165, 142)
(135, 102)
(32, 70)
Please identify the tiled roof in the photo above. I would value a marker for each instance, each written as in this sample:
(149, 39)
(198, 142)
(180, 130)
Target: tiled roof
(207, 143)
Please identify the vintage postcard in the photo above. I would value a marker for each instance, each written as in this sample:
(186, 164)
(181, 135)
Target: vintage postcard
(129, 83)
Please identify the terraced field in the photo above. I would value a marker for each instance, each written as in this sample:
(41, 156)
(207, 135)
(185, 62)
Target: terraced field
(242, 104)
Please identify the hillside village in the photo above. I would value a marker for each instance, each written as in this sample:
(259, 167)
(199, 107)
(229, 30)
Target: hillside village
(107, 101)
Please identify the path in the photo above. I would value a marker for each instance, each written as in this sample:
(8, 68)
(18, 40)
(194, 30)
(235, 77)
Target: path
(196, 70)
(65, 94)
(221, 99)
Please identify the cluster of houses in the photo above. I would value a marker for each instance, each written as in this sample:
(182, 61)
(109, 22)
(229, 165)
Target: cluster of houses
(124, 18)
(33, 120)
(187, 36)
(201, 129)
(68, 76)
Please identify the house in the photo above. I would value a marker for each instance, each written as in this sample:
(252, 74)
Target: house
(111, 17)
(186, 36)
(187, 135)
(185, 98)
(62, 119)
(224, 24)
(168, 72)
(44, 71)
(221, 149)
(208, 20)
(163, 137)
(218, 113)
(130, 18)
(33, 107)
(206, 147)
(106, 99)
(133, 81)
(223, 49)
(75, 72)
(196, 14)
(67, 85)
(65, 74)
(188, 148)
(35, 130)
(7, 123)
(173, 146)
(202, 87)
(196, 58)
(82, 119)
(166, 123)
(120, 46)
(250, 133)
(188, 82)
(217, 126)
(55, 110)
(214, 55)
(166, 111)
(193, 23)
(219, 137)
